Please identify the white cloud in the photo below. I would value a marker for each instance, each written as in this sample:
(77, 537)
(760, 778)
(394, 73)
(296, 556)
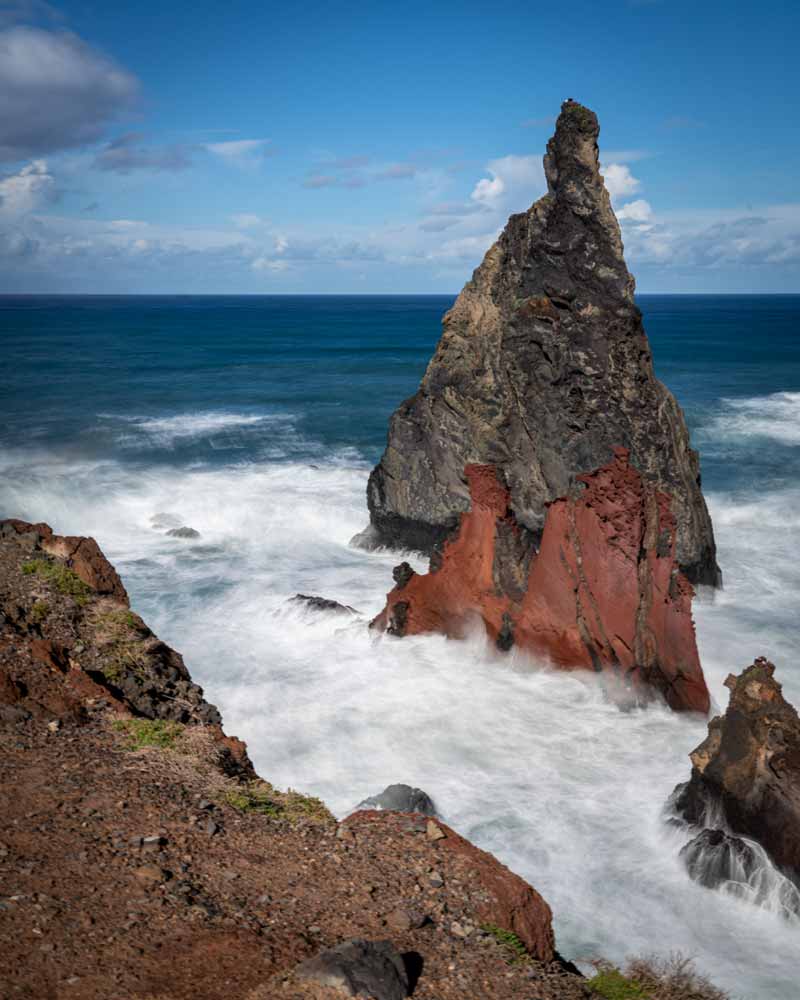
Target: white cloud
(25, 191)
(56, 92)
(620, 182)
(514, 182)
(245, 153)
(635, 211)
(269, 265)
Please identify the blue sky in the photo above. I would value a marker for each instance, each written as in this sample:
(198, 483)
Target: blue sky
(379, 147)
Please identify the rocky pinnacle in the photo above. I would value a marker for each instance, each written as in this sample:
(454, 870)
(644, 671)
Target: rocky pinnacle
(542, 369)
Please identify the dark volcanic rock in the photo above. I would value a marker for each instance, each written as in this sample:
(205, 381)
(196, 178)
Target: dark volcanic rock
(747, 771)
(359, 968)
(714, 857)
(183, 532)
(401, 798)
(323, 604)
(543, 368)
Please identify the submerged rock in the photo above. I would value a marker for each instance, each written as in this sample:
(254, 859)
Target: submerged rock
(359, 968)
(543, 368)
(315, 603)
(747, 771)
(401, 798)
(183, 532)
(602, 592)
(714, 857)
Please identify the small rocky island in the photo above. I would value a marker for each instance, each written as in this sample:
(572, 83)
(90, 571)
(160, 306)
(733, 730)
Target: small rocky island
(742, 800)
(542, 465)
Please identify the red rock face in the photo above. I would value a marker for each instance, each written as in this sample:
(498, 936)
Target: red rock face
(603, 592)
(83, 556)
(506, 900)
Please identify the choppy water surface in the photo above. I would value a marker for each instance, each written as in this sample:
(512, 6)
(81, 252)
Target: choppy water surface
(256, 422)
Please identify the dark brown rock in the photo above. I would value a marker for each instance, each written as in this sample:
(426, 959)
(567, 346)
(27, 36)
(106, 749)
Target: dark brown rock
(748, 768)
(543, 368)
(315, 603)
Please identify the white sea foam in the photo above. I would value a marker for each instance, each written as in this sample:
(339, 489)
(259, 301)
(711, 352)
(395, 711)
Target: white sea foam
(168, 432)
(776, 416)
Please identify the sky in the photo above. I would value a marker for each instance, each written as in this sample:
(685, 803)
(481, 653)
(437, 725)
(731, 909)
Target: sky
(324, 147)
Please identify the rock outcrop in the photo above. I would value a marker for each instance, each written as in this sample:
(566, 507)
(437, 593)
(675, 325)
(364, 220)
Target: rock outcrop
(543, 368)
(81, 555)
(602, 592)
(358, 969)
(315, 603)
(92, 635)
(746, 773)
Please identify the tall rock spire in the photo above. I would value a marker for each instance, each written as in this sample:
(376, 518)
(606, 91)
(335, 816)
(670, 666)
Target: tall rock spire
(543, 368)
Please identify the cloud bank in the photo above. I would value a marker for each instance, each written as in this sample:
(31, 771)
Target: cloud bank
(56, 92)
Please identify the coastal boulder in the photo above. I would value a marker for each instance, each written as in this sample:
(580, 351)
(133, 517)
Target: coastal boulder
(401, 798)
(358, 968)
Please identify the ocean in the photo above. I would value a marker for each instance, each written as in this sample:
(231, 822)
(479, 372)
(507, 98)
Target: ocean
(255, 421)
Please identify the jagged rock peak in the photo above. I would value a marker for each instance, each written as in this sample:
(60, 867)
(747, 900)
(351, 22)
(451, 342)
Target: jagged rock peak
(543, 368)
(572, 169)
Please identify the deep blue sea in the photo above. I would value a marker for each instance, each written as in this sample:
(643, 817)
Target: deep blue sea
(255, 421)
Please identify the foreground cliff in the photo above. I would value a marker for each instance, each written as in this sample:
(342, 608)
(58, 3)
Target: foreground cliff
(745, 783)
(542, 464)
(140, 856)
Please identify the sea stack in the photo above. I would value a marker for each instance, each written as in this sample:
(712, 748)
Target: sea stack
(541, 464)
(746, 773)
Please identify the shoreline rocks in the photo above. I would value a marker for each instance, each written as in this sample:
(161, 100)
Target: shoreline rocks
(322, 604)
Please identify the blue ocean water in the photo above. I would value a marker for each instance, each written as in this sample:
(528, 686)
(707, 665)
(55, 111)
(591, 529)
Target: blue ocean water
(256, 421)
(76, 368)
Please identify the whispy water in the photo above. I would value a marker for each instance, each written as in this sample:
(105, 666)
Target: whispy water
(257, 425)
